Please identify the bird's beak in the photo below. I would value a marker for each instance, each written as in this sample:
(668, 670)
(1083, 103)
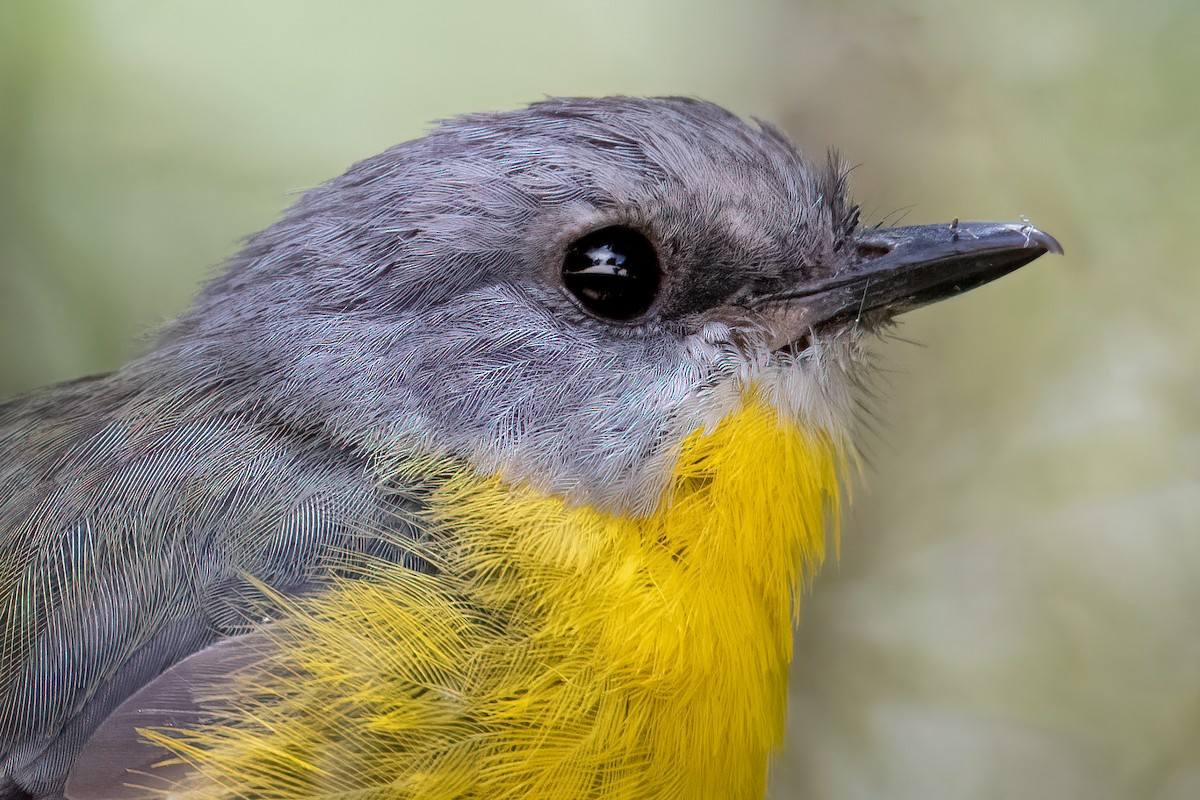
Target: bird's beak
(898, 269)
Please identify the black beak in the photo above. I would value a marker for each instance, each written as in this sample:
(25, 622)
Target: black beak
(899, 269)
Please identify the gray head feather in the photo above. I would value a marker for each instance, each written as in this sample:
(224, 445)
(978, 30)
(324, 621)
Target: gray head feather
(416, 300)
(413, 305)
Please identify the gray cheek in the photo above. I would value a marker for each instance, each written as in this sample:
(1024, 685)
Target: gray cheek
(593, 417)
(567, 410)
(591, 431)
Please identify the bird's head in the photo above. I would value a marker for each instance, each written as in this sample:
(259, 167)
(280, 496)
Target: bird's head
(565, 292)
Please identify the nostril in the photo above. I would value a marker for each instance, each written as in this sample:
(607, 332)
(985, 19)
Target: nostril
(867, 250)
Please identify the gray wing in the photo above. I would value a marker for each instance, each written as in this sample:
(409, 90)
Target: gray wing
(134, 531)
(117, 763)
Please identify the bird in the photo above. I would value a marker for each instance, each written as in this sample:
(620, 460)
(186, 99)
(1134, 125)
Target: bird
(495, 468)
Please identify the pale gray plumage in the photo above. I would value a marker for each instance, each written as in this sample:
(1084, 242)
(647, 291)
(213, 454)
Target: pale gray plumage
(412, 301)
(412, 305)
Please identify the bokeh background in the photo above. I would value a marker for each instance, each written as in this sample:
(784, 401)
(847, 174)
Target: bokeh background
(1016, 610)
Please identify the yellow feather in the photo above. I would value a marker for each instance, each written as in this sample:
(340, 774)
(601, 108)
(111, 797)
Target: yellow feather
(560, 652)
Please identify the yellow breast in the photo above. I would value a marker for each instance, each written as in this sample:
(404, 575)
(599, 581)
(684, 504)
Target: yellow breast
(559, 652)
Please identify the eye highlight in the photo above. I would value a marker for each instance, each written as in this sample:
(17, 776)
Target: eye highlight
(613, 272)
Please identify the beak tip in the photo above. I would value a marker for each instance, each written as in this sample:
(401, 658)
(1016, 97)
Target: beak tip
(1036, 237)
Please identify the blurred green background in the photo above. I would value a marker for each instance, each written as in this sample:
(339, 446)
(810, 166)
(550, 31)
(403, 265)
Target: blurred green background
(1016, 610)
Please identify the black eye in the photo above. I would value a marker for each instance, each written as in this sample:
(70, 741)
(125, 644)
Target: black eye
(613, 272)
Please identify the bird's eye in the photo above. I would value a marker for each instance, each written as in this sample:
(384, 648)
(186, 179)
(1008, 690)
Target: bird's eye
(613, 272)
